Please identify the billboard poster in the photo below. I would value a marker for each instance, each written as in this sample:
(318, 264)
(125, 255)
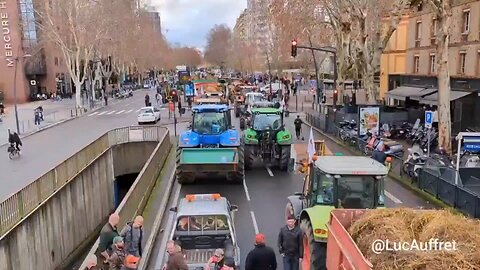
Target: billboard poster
(369, 120)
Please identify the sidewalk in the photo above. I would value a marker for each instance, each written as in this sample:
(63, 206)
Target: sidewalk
(54, 112)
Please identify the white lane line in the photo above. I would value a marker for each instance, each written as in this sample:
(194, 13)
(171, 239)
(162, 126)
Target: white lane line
(92, 114)
(102, 113)
(120, 112)
(138, 110)
(254, 220)
(269, 171)
(129, 111)
(111, 112)
(246, 189)
(393, 198)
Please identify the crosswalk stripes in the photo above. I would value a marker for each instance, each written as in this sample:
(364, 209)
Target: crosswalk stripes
(92, 114)
(102, 113)
(120, 112)
(129, 111)
(138, 110)
(112, 112)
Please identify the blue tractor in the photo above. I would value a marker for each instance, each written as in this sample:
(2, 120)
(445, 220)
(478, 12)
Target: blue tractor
(211, 146)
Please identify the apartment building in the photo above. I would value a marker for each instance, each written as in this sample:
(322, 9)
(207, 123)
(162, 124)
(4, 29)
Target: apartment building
(418, 85)
(240, 31)
(259, 31)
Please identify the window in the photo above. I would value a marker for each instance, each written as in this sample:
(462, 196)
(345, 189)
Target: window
(29, 29)
(418, 33)
(434, 27)
(416, 63)
(263, 122)
(203, 223)
(432, 63)
(209, 123)
(462, 60)
(466, 21)
(55, 60)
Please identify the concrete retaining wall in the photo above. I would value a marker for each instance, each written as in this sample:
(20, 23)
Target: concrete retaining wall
(49, 235)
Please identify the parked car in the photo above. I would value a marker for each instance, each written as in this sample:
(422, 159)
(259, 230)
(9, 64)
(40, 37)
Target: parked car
(148, 115)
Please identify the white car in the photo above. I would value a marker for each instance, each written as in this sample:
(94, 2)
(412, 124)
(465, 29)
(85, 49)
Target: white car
(148, 115)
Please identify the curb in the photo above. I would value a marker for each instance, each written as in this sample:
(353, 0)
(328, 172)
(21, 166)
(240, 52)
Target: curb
(422, 194)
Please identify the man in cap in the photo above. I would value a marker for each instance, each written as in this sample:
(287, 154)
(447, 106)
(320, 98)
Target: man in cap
(290, 245)
(131, 263)
(216, 262)
(262, 257)
(117, 258)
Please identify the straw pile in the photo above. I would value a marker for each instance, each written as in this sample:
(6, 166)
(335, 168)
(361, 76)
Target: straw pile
(398, 225)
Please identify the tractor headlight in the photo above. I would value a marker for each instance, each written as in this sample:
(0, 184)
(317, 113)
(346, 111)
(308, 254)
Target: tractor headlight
(286, 136)
(250, 136)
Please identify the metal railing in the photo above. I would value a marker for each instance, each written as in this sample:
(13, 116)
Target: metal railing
(17, 207)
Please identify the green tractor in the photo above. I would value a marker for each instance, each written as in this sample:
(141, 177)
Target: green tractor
(267, 138)
(331, 182)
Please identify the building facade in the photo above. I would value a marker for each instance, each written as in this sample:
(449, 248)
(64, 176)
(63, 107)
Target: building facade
(240, 31)
(26, 66)
(417, 86)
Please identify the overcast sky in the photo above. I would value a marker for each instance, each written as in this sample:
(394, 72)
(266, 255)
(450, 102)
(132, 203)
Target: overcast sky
(188, 21)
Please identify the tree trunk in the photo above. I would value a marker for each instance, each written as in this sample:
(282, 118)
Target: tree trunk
(78, 94)
(443, 78)
(369, 85)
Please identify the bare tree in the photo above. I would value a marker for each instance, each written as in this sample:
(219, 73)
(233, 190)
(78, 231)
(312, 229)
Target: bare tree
(218, 44)
(75, 27)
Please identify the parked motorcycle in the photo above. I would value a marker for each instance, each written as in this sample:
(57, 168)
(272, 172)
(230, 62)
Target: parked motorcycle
(400, 132)
(414, 163)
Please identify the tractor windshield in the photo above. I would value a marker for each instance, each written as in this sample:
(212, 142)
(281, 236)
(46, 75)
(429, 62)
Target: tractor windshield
(350, 191)
(267, 122)
(209, 122)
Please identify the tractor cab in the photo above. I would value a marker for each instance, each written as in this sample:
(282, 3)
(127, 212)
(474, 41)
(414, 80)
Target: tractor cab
(266, 119)
(356, 184)
(211, 119)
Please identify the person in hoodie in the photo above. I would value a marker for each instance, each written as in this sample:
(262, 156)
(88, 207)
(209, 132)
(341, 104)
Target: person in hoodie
(262, 257)
(132, 233)
(290, 245)
(117, 258)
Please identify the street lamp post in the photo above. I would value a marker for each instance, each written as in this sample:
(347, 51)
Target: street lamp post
(16, 59)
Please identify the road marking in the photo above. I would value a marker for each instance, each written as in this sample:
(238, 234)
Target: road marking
(246, 189)
(138, 110)
(393, 198)
(110, 112)
(120, 112)
(269, 171)
(129, 111)
(102, 113)
(92, 114)
(254, 220)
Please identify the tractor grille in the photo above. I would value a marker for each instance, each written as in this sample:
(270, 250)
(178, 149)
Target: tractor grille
(210, 146)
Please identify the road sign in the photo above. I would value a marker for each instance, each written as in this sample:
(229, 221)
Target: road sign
(428, 119)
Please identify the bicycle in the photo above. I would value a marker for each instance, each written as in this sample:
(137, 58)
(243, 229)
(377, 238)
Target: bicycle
(13, 152)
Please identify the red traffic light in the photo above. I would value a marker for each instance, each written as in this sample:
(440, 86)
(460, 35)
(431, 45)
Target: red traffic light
(294, 42)
(335, 92)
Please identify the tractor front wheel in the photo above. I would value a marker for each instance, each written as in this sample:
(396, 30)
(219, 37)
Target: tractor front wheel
(237, 176)
(183, 177)
(284, 157)
(314, 253)
(249, 156)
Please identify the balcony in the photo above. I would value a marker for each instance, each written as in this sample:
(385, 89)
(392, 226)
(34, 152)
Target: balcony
(36, 65)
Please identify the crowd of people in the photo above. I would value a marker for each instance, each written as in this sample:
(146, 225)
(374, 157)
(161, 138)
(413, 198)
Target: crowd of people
(118, 250)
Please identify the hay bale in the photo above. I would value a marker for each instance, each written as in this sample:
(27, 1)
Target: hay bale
(406, 225)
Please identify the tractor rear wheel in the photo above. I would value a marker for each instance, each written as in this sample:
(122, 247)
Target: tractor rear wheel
(183, 177)
(284, 157)
(237, 176)
(249, 156)
(314, 253)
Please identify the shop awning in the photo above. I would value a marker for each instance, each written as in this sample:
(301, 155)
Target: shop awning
(402, 92)
(423, 93)
(433, 99)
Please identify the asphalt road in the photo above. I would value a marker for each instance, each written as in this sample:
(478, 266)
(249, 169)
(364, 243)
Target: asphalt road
(44, 150)
(262, 199)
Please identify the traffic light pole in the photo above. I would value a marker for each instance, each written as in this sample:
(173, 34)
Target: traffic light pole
(335, 72)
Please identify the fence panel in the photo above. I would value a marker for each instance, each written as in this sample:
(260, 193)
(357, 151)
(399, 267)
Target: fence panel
(446, 192)
(428, 182)
(466, 202)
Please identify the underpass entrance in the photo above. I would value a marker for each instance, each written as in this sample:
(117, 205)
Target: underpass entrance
(122, 185)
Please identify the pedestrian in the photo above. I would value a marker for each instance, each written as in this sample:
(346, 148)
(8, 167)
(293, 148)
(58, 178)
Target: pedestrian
(262, 257)
(179, 104)
(105, 97)
(176, 260)
(2, 108)
(147, 100)
(91, 262)
(158, 98)
(290, 245)
(107, 234)
(189, 101)
(37, 117)
(119, 254)
(216, 262)
(298, 127)
(132, 234)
